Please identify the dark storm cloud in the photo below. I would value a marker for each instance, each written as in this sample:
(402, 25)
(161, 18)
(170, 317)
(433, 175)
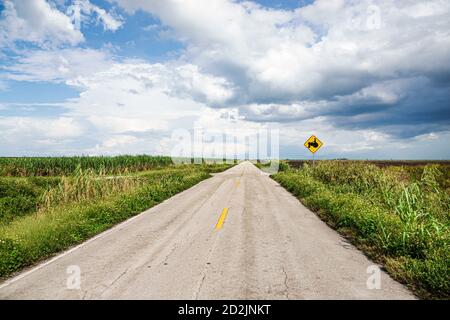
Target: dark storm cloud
(425, 108)
(340, 62)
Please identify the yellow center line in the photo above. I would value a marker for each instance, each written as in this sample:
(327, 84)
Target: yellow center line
(238, 182)
(222, 219)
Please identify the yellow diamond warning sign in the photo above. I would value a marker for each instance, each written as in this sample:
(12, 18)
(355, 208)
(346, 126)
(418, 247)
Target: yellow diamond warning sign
(313, 144)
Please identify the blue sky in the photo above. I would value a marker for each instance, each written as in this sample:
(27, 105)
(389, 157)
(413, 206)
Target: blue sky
(371, 79)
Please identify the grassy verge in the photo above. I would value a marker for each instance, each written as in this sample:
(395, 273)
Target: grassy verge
(399, 219)
(82, 205)
(19, 196)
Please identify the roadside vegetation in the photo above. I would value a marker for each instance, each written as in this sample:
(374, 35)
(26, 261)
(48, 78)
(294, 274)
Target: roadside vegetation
(398, 215)
(57, 166)
(44, 213)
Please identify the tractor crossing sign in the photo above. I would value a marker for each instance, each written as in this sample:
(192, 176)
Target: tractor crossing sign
(313, 144)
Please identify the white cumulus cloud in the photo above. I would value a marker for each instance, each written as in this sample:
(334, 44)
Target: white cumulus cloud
(38, 22)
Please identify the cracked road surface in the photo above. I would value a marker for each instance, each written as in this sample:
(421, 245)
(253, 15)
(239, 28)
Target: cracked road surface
(268, 246)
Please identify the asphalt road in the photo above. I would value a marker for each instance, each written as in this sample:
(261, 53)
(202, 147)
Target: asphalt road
(237, 235)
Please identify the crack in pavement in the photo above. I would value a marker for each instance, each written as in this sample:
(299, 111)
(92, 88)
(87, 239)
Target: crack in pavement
(199, 288)
(174, 247)
(114, 281)
(205, 270)
(286, 286)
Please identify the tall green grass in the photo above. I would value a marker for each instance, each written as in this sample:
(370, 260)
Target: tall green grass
(87, 185)
(399, 218)
(20, 196)
(56, 166)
